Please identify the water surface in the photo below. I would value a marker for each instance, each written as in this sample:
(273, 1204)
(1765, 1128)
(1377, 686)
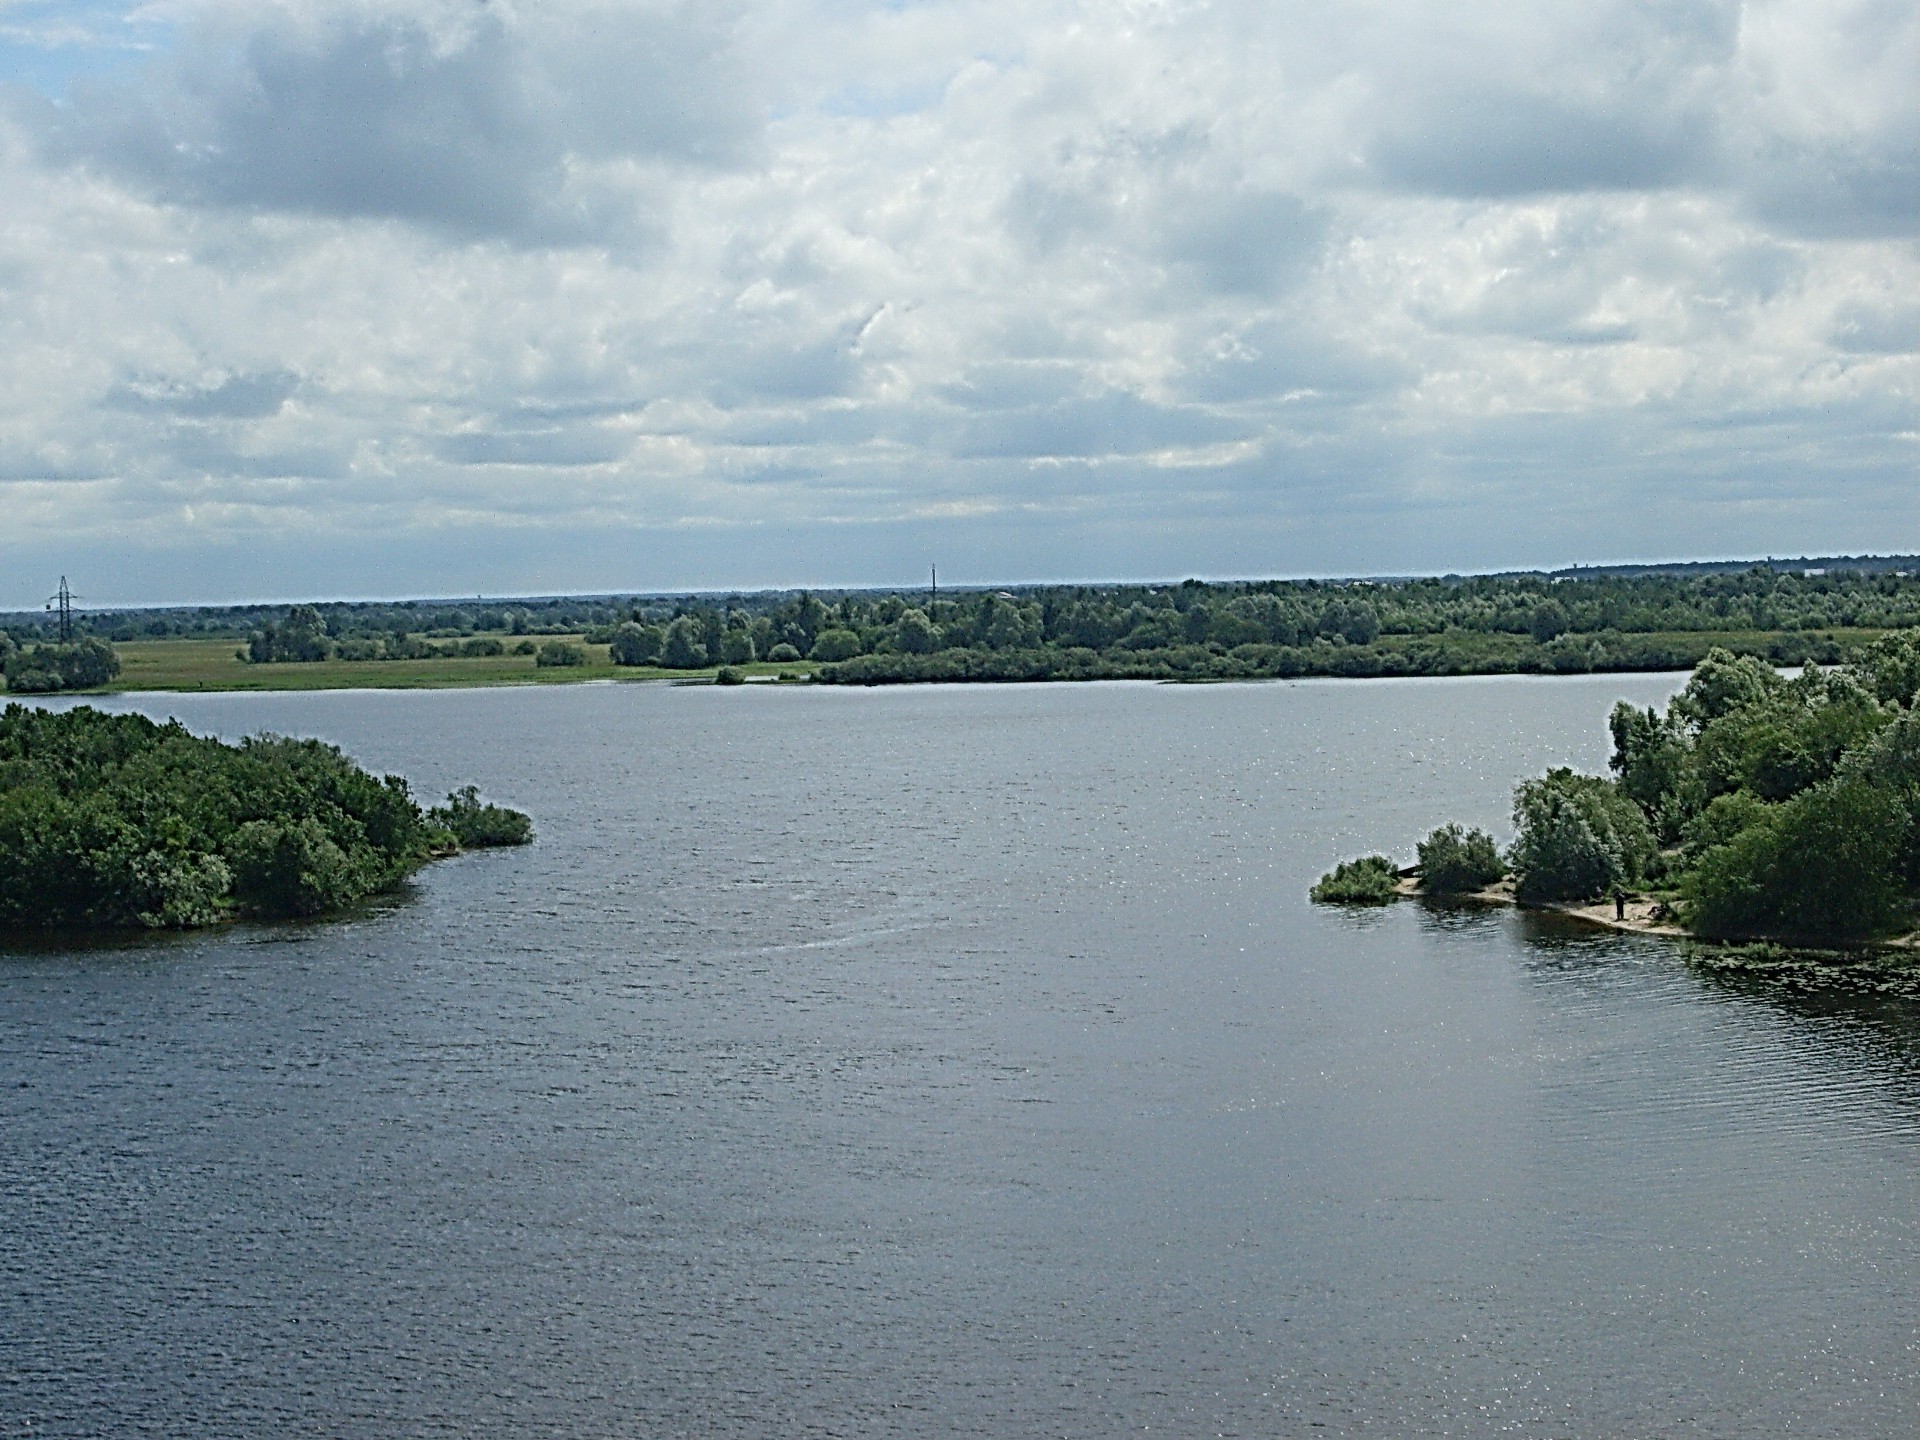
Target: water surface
(950, 1060)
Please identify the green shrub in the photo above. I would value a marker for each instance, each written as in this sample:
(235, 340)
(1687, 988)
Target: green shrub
(527, 647)
(476, 824)
(43, 669)
(1456, 862)
(729, 675)
(559, 652)
(482, 646)
(1370, 880)
(783, 654)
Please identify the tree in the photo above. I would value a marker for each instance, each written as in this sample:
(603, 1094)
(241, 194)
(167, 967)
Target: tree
(683, 649)
(1820, 867)
(836, 644)
(634, 644)
(914, 634)
(1548, 622)
(1723, 683)
(736, 647)
(1578, 837)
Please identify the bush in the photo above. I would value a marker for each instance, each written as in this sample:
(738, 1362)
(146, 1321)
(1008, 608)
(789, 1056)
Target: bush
(481, 646)
(114, 821)
(43, 669)
(527, 647)
(1577, 838)
(729, 675)
(559, 652)
(1456, 862)
(831, 645)
(476, 825)
(1370, 880)
(783, 654)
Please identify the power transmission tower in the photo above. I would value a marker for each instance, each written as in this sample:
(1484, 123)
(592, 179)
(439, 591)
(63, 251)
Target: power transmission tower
(65, 601)
(933, 592)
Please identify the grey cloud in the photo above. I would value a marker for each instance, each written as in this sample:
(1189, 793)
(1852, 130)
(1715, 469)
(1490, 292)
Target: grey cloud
(558, 448)
(1858, 190)
(238, 397)
(1490, 144)
(1243, 243)
(1116, 423)
(377, 118)
(1872, 330)
(1271, 361)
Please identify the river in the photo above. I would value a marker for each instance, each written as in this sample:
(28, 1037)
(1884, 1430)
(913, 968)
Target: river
(957, 1060)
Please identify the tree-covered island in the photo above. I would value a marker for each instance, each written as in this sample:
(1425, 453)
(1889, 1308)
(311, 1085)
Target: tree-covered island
(1754, 807)
(115, 822)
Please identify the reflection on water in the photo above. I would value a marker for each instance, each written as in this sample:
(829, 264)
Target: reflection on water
(948, 1060)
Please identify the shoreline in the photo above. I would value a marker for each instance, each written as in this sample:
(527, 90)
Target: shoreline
(1640, 919)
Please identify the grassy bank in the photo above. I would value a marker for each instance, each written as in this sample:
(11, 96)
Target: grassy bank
(211, 665)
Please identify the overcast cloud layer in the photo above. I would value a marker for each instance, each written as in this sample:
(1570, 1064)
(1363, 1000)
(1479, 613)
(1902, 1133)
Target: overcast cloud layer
(382, 297)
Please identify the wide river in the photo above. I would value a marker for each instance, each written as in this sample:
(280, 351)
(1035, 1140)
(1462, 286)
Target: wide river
(948, 1061)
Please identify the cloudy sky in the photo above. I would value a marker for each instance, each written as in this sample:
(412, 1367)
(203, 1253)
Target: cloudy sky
(390, 297)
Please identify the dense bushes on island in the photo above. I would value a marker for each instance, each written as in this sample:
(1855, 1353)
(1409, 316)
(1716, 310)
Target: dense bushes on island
(1370, 880)
(43, 669)
(1755, 806)
(113, 821)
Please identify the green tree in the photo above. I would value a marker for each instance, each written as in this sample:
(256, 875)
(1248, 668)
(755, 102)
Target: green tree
(1820, 867)
(836, 644)
(736, 647)
(1577, 838)
(914, 634)
(683, 649)
(634, 644)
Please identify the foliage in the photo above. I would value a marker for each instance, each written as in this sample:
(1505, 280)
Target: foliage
(836, 645)
(1370, 880)
(729, 675)
(43, 669)
(1819, 867)
(476, 824)
(560, 652)
(683, 647)
(783, 654)
(115, 821)
(635, 644)
(300, 638)
(1457, 862)
(1577, 838)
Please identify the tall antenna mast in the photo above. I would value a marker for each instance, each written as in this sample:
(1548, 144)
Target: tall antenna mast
(65, 601)
(933, 592)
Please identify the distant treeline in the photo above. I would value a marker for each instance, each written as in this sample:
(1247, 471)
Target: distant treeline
(1193, 630)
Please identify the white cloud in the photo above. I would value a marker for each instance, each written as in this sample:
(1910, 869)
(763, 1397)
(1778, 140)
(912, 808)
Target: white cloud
(1197, 287)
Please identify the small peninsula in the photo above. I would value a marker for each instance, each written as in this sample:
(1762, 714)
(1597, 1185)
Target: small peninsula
(114, 822)
(1755, 808)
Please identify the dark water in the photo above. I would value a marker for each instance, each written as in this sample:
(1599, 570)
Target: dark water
(955, 1061)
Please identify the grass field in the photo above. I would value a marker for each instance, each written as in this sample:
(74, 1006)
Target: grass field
(213, 665)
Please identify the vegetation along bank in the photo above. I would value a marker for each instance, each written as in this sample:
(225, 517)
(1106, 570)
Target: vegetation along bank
(115, 822)
(1754, 808)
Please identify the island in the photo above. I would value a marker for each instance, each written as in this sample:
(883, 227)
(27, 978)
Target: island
(1756, 807)
(115, 822)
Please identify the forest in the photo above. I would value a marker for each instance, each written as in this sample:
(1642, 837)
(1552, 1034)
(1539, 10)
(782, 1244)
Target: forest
(1753, 807)
(1564, 623)
(115, 822)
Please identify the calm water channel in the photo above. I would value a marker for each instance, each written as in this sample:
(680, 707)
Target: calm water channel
(947, 1061)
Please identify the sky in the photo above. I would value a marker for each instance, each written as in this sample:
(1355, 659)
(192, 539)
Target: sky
(361, 298)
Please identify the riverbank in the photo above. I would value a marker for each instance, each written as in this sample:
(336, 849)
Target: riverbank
(1894, 963)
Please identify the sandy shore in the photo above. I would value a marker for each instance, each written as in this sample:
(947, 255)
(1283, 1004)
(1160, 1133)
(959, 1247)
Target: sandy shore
(1641, 918)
